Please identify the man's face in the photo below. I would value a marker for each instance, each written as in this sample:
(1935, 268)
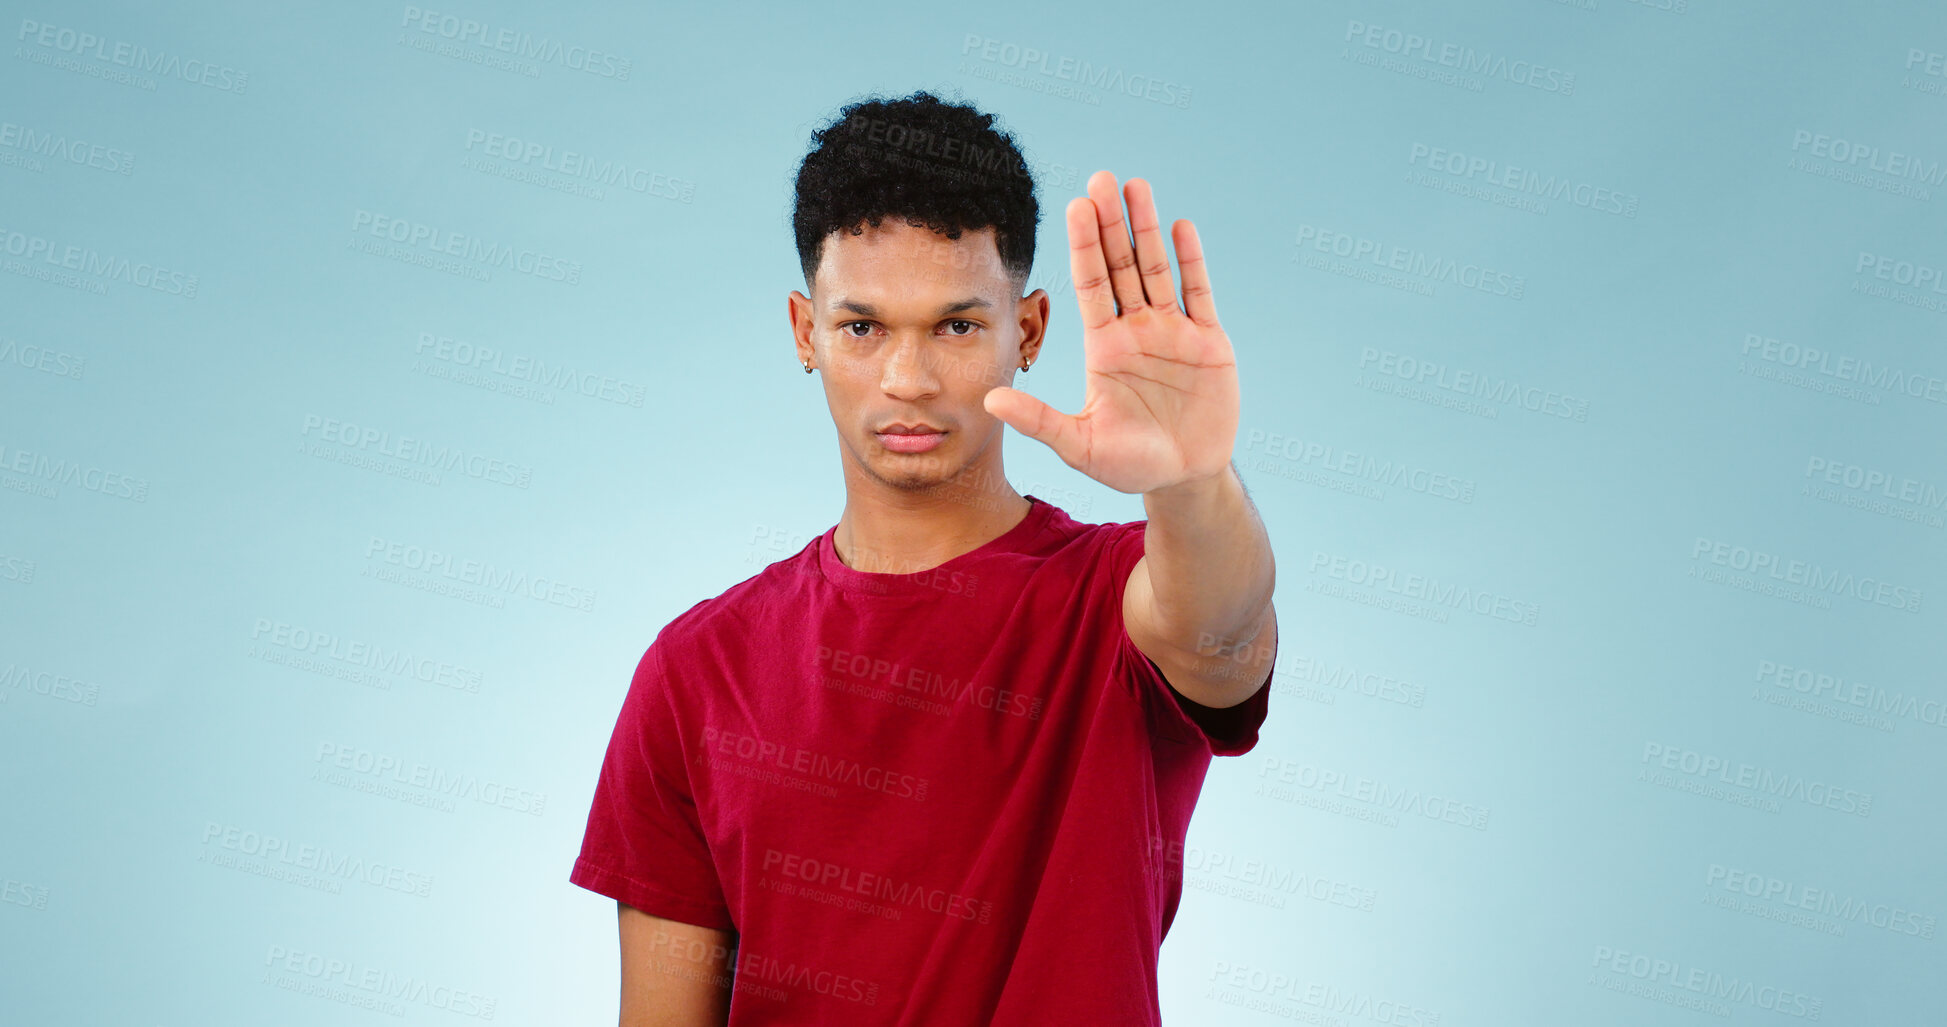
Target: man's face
(909, 329)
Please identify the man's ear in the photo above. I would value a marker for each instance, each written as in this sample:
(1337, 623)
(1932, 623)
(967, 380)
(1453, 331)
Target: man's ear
(798, 309)
(1033, 315)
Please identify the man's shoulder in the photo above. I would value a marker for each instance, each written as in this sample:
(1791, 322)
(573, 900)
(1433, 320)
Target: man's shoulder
(743, 606)
(1091, 538)
(1067, 533)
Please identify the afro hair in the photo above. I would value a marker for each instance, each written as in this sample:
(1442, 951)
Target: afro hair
(937, 165)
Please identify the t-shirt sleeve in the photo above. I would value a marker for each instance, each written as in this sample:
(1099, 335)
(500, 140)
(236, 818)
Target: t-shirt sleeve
(644, 845)
(1227, 731)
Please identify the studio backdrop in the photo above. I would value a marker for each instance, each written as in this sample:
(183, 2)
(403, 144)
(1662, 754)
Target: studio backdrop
(376, 380)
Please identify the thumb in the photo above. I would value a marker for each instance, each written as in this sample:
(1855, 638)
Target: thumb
(1037, 420)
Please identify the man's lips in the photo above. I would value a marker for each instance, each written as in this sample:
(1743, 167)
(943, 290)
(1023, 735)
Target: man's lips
(910, 438)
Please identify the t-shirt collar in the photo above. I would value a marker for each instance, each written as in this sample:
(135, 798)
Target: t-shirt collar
(949, 578)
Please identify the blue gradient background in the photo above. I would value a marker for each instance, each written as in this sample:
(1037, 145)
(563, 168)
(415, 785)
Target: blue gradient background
(163, 610)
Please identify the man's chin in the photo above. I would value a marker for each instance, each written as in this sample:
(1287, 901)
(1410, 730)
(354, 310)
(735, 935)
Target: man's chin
(917, 472)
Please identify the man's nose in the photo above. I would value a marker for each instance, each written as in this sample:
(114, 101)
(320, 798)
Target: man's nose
(909, 372)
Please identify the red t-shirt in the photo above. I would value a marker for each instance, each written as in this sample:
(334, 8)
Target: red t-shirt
(935, 798)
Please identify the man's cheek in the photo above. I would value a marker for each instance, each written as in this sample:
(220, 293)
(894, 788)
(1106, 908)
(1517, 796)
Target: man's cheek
(850, 369)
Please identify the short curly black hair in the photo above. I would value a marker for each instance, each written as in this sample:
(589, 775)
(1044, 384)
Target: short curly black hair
(935, 164)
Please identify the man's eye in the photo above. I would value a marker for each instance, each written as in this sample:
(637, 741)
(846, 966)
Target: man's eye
(970, 327)
(849, 324)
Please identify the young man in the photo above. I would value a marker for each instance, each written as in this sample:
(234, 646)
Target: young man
(937, 767)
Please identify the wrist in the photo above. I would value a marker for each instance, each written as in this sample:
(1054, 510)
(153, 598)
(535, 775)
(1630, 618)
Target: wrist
(1191, 492)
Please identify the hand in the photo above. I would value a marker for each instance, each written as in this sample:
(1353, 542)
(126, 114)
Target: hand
(1162, 397)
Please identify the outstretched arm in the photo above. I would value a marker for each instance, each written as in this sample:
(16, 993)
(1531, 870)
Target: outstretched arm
(1160, 418)
(1199, 601)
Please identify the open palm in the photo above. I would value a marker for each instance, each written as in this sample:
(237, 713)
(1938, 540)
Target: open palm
(1162, 398)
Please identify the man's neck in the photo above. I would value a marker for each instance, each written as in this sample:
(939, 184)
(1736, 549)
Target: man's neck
(889, 531)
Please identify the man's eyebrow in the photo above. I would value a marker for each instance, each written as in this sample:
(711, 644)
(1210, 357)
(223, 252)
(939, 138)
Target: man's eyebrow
(868, 310)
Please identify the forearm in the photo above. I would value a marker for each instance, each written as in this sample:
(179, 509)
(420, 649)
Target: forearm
(1210, 565)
